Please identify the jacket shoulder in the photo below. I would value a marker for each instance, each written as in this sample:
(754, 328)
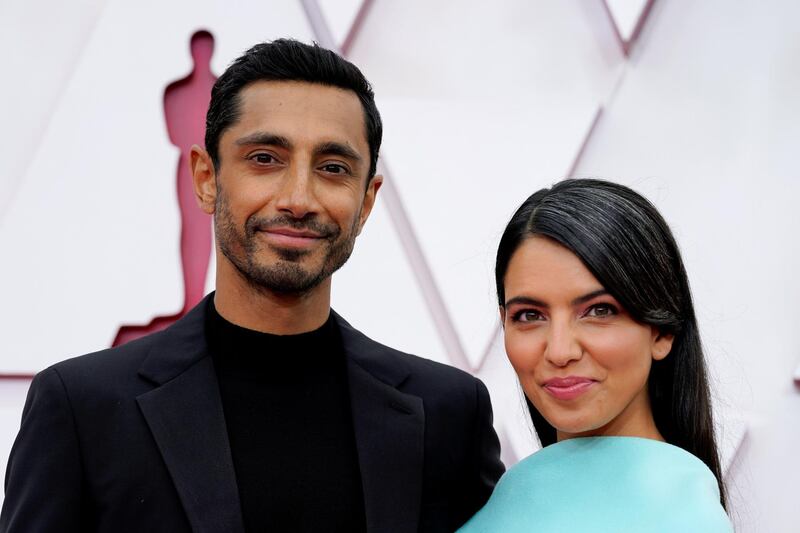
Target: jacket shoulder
(172, 349)
(435, 371)
(389, 362)
(131, 353)
(111, 368)
(412, 373)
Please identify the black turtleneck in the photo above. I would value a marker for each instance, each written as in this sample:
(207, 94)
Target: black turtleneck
(287, 411)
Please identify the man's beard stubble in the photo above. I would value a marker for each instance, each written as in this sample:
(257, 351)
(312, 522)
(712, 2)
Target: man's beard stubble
(285, 275)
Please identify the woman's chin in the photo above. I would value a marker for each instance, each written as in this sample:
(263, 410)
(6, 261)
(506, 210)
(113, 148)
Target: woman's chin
(567, 429)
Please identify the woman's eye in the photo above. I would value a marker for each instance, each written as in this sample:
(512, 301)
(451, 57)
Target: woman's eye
(601, 310)
(527, 315)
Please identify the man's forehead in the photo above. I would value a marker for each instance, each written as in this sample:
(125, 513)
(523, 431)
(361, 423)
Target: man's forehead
(300, 110)
(295, 97)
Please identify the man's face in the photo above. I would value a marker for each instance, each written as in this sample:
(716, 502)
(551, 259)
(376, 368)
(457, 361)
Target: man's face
(291, 191)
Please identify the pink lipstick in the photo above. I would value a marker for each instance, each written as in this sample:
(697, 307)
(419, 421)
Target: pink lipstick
(568, 388)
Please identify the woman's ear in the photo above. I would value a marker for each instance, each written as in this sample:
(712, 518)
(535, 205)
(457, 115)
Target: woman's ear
(503, 316)
(662, 344)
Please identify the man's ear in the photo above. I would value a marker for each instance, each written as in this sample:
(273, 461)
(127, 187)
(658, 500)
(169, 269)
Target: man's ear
(369, 200)
(662, 344)
(204, 179)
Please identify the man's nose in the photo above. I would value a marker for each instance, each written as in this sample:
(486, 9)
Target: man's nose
(296, 196)
(563, 345)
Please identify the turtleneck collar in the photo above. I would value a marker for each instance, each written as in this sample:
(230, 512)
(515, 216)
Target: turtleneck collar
(243, 351)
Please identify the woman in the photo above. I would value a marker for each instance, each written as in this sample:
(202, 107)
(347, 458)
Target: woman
(599, 326)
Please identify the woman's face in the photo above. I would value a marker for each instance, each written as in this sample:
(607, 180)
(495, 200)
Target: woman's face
(581, 359)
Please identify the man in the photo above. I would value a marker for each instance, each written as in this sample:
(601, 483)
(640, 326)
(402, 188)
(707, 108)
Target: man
(262, 409)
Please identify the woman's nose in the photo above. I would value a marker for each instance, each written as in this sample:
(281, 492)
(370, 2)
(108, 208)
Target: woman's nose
(563, 346)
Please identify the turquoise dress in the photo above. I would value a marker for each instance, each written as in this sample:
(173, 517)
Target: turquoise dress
(605, 484)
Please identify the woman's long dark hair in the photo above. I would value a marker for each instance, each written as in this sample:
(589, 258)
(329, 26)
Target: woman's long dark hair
(626, 244)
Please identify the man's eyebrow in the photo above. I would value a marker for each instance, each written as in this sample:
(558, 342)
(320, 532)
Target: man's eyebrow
(337, 148)
(527, 300)
(262, 137)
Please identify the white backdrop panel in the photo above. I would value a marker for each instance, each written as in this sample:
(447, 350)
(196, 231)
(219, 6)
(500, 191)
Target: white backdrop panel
(481, 107)
(32, 90)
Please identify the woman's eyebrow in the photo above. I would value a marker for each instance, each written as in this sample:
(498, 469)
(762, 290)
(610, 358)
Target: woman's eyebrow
(589, 296)
(525, 300)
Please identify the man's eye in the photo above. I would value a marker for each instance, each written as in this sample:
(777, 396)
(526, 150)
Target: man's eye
(334, 169)
(601, 310)
(263, 159)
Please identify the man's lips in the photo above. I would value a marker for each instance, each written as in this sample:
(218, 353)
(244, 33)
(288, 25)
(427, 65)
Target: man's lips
(291, 238)
(569, 387)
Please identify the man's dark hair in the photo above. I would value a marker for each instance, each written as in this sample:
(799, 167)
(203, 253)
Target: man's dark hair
(288, 60)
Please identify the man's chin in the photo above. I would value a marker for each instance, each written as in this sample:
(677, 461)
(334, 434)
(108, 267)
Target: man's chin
(284, 277)
(292, 255)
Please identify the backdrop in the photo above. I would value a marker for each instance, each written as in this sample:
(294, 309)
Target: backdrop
(694, 104)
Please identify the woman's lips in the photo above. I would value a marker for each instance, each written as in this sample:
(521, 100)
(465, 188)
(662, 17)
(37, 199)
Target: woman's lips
(568, 388)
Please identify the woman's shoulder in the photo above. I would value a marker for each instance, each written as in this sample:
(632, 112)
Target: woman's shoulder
(605, 484)
(631, 458)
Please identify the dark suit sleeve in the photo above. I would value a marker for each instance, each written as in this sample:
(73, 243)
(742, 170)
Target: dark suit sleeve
(43, 478)
(487, 449)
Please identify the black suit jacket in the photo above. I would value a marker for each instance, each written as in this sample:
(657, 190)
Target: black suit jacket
(134, 439)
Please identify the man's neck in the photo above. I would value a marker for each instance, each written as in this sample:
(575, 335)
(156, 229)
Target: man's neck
(262, 310)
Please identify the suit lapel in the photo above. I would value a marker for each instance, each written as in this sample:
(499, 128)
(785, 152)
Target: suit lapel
(185, 415)
(389, 431)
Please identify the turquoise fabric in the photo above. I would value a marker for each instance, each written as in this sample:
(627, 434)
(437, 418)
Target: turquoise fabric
(605, 484)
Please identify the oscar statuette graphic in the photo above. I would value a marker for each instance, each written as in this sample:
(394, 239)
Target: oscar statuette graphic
(185, 105)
